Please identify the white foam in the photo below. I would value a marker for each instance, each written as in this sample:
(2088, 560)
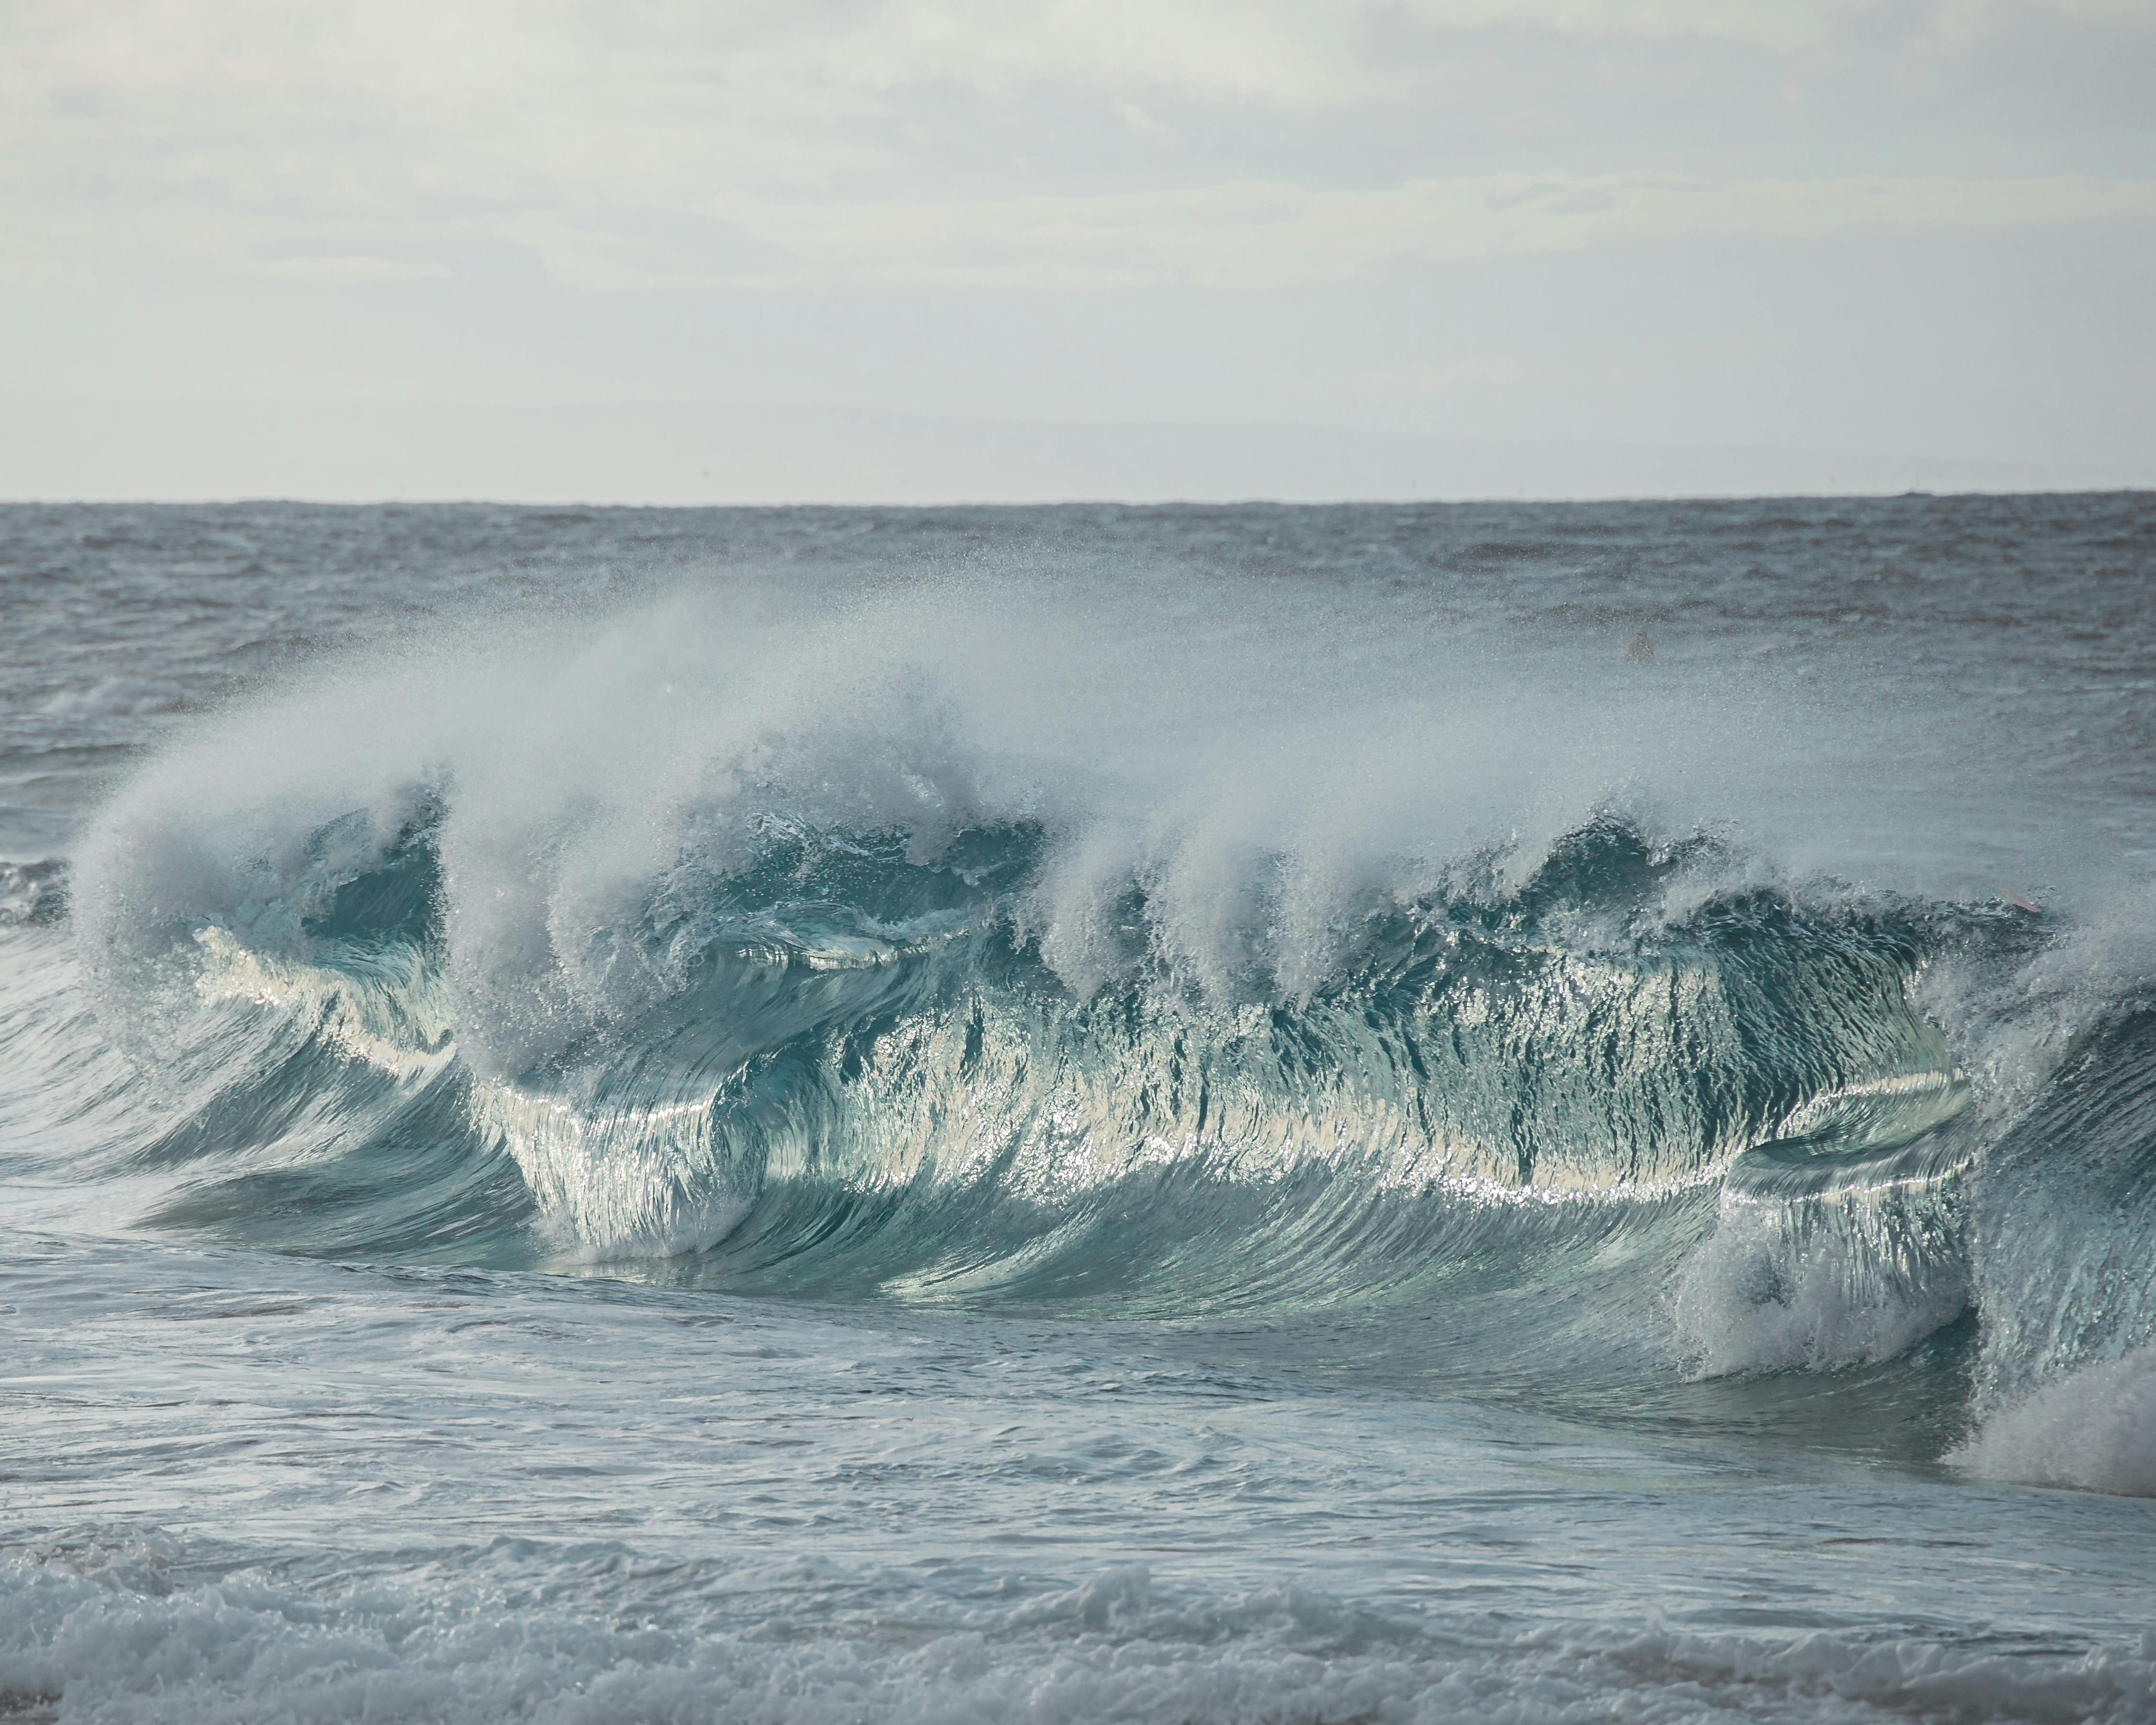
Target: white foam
(2094, 1429)
(98, 1641)
(1758, 1294)
(2017, 1016)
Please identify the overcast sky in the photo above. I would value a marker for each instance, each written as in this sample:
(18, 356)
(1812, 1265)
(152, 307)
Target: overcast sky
(1920, 229)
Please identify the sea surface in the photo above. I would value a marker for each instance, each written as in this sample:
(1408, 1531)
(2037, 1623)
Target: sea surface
(1496, 1112)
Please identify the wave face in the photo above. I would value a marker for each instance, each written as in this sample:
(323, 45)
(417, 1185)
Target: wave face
(969, 943)
(836, 1066)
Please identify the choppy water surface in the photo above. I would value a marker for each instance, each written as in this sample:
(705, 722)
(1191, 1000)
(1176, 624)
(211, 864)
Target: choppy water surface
(1320, 1115)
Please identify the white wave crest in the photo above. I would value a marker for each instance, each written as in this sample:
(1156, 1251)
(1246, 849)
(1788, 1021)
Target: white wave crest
(1188, 743)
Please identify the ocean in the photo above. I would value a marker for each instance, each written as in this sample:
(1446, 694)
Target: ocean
(1484, 1112)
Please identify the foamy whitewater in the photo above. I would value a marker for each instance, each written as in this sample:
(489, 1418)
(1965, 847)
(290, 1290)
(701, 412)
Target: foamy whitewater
(1498, 1112)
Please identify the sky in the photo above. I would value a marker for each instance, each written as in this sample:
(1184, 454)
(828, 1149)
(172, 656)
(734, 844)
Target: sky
(1873, 227)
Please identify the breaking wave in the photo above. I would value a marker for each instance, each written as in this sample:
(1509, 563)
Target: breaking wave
(821, 959)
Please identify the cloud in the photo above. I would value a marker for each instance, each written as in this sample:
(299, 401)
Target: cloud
(1782, 26)
(26, 264)
(1763, 23)
(354, 269)
(780, 143)
(1259, 235)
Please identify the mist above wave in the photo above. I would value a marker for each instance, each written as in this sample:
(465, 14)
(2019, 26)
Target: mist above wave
(1265, 760)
